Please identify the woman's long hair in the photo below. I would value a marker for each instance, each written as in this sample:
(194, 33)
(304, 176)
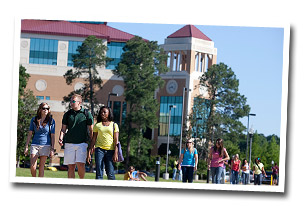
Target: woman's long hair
(99, 116)
(191, 149)
(221, 148)
(38, 116)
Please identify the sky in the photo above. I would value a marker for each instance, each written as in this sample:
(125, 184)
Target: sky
(255, 54)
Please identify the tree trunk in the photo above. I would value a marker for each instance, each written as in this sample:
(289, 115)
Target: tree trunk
(91, 91)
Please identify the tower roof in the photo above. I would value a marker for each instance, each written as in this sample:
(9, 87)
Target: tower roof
(76, 29)
(189, 31)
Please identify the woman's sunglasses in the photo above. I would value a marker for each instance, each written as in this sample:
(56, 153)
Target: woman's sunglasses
(45, 108)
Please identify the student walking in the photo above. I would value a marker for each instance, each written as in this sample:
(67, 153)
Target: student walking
(105, 139)
(258, 170)
(188, 161)
(235, 169)
(218, 154)
(77, 126)
(42, 146)
(245, 172)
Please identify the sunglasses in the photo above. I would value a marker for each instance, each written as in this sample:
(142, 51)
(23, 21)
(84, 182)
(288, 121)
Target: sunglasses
(45, 108)
(73, 101)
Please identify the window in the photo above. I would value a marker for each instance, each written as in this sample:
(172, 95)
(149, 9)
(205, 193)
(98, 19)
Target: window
(176, 115)
(40, 97)
(72, 49)
(47, 98)
(124, 109)
(115, 50)
(116, 111)
(201, 111)
(43, 51)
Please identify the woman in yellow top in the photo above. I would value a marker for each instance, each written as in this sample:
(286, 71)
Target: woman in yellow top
(258, 170)
(105, 139)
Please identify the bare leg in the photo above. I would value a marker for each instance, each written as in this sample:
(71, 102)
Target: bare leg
(33, 163)
(71, 171)
(42, 165)
(81, 169)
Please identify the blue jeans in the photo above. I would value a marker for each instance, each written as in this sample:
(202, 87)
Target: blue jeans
(257, 179)
(103, 158)
(188, 174)
(216, 174)
(245, 178)
(174, 174)
(234, 177)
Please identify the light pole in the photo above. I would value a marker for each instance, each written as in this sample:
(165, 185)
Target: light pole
(182, 121)
(111, 94)
(248, 134)
(166, 175)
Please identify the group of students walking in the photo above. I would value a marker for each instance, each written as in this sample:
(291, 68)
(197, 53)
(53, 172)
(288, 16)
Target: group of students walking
(78, 133)
(217, 161)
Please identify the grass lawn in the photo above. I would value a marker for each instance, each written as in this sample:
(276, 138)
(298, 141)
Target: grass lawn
(25, 172)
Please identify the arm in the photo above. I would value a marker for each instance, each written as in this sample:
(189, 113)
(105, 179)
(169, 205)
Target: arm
(62, 132)
(115, 143)
(226, 157)
(90, 128)
(263, 171)
(196, 162)
(52, 143)
(91, 147)
(27, 143)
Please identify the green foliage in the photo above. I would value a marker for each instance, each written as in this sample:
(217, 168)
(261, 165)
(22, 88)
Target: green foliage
(90, 55)
(226, 104)
(139, 66)
(27, 105)
(266, 148)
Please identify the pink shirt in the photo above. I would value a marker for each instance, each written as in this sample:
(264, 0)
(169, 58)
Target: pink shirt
(216, 158)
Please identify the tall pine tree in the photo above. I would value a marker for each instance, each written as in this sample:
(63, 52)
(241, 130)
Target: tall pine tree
(140, 66)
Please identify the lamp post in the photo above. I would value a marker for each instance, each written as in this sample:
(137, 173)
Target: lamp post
(248, 134)
(111, 94)
(166, 175)
(182, 121)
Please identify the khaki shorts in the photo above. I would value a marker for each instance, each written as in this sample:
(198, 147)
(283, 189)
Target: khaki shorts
(40, 150)
(75, 153)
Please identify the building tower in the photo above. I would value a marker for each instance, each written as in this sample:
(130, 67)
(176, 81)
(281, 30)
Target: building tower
(190, 53)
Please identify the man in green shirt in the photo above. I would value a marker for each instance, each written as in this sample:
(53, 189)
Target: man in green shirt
(77, 127)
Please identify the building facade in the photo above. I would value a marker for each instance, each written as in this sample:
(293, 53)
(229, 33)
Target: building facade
(46, 49)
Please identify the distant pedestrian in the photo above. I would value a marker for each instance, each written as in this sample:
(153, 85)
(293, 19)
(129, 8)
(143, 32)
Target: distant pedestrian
(235, 169)
(188, 161)
(218, 154)
(258, 170)
(275, 170)
(245, 172)
(42, 146)
(174, 166)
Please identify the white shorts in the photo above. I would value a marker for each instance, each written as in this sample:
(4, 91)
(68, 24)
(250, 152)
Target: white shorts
(40, 150)
(75, 153)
